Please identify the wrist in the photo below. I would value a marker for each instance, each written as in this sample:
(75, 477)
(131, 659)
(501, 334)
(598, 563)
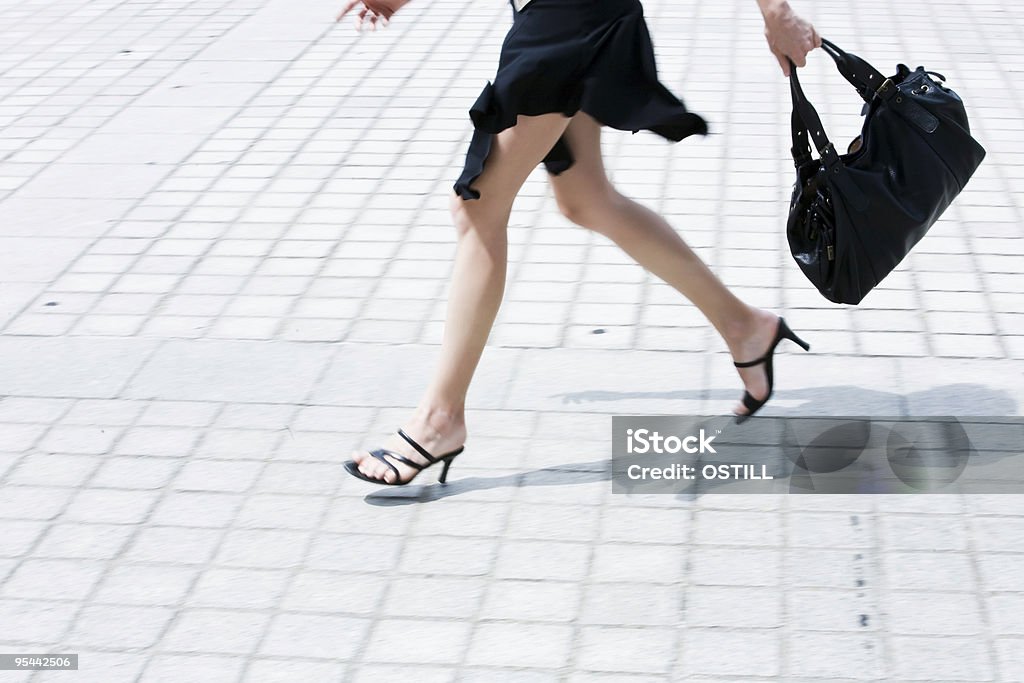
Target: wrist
(772, 8)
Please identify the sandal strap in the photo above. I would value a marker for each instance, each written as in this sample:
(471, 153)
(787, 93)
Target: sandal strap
(381, 455)
(384, 455)
(384, 452)
(752, 363)
(751, 403)
(419, 449)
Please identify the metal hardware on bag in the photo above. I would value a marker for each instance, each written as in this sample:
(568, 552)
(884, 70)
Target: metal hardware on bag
(830, 158)
(831, 252)
(885, 90)
(925, 88)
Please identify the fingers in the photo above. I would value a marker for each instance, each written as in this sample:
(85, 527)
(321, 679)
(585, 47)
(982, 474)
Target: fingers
(370, 15)
(367, 16)
(349, 6)
(783, 62)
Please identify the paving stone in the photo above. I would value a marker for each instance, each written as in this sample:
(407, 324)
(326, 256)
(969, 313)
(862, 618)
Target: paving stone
(519, 645)
(34, 621)
(270, 548)
(220, 370)
(74, 367)
(104, 626)
(238, 588)
(110, 506)
(146, 585)
(285, 670)
(742, 607)
(417, 642)
(827, 655)
(176, 545)
(315, 636)
(195, 667)
(736, 653)
(531, 601)
(53, 579)
(84, 541)
(209, 630)
(42, 469)
(627, 650)
(937, 659)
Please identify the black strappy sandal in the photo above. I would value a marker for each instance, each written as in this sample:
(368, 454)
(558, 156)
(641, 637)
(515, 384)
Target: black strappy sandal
(749, 402)
(382, 454)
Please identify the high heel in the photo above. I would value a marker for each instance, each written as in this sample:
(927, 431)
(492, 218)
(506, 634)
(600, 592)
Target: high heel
(385, 456)
(749, 402)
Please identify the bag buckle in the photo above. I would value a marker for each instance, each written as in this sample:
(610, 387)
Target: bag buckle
(829, 156)
(887, 89)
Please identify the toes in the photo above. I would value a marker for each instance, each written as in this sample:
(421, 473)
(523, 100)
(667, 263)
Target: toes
(369, 466)
(375, 469)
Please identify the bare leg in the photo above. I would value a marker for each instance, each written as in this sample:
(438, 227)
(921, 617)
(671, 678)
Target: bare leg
(478, 284)
(587, 197)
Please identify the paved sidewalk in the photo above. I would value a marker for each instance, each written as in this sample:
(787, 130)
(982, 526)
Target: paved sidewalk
(224, 248)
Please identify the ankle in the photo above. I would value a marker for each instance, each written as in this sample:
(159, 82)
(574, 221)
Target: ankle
(739, 328)
(440, 417)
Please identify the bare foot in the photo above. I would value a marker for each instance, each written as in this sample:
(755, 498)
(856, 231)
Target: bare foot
(436, 435)
(751, 342)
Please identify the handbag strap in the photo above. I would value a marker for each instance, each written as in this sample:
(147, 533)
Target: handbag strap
(869, 83)
(865, 78)
(805, 123)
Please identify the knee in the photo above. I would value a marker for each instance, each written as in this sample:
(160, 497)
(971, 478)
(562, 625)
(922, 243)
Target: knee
(470, 217)
(462, 215)
(592, 210)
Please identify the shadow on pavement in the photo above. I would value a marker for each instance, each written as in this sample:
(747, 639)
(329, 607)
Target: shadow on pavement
(838, 401)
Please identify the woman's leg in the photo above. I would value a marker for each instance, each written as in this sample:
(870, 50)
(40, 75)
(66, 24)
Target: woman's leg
(587, 197)
(478, 284)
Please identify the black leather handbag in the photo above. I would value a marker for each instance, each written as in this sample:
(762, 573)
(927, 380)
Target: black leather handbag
(854, 216)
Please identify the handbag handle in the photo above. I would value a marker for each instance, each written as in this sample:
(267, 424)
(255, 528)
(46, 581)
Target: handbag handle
(805, 120)
(865, 78)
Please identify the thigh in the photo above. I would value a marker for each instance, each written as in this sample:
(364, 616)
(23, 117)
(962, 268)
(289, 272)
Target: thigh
(587, 174)
(514, 153)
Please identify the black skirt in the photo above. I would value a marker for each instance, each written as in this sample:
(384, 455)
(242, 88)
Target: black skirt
(567, 56)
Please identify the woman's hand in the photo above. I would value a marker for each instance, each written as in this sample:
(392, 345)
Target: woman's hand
(372, 11)
(789, 35)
